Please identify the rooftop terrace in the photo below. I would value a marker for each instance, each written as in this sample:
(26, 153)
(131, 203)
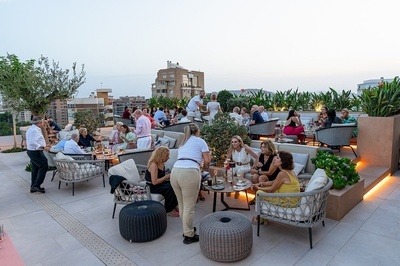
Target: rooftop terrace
(57, 228)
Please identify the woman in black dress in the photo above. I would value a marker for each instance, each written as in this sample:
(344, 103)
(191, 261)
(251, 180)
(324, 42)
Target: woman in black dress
(265, 170)
(158, 179)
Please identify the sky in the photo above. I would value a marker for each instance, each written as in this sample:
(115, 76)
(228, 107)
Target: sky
(274, 45)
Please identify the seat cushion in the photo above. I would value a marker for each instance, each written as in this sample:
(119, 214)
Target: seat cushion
(62, 156)
(171, 141)
(298, 168)
(301, 158)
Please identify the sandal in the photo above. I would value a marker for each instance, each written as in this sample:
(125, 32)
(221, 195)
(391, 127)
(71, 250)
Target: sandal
(202, 198)
(255, 220)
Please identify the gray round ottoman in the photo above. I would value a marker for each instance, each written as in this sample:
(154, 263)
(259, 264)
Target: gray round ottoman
(142, 221)
(226, 236)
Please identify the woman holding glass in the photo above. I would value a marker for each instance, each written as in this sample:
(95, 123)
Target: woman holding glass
(241, 154)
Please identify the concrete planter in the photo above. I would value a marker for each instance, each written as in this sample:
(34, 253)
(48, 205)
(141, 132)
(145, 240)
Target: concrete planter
(341, 201)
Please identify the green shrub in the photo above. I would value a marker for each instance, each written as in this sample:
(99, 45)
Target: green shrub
(342, 171)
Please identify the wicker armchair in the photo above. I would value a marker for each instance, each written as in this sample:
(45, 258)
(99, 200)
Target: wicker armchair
(310, 210)
(50, 155)
(264, 129)
(133, 188)
(73, 171)
(336, 137)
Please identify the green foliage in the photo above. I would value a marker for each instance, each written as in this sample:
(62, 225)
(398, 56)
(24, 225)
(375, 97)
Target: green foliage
(13, 150)
(342, 171)
(238, 101)
(218, 136)
(383, 100)
(162, 101)
(223, 97)
(27, 86)
(86, 118)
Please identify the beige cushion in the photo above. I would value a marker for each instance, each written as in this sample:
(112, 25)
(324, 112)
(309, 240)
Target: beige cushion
(62, 156)
(300, 158)
(318, 180)
(164, 141)
(126, 169)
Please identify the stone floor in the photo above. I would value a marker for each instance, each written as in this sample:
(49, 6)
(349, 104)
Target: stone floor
(57, 228)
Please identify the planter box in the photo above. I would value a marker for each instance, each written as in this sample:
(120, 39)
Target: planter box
(341, 201)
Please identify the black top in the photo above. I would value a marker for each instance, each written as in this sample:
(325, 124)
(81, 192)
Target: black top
(329, 121)
(54, 124)
(85, 142)
(147, 176)
(266, 166)
(292, 124)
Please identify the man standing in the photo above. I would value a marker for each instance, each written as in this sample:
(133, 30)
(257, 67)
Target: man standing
(194, 104)
(142, 130)
(263, 114)
(36, 144)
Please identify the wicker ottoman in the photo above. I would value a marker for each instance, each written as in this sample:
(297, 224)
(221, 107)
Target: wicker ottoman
(226, 236)
(142, 221)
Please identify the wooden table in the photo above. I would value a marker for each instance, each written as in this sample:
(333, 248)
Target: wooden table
(229, 187)
(109, 158)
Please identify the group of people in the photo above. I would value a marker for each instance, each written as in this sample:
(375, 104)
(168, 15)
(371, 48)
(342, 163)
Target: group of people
(272, 172)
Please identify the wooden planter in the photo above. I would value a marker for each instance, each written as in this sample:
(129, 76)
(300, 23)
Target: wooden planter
(341, 201)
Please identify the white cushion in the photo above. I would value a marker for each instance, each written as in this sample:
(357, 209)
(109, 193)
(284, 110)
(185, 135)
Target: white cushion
(164, 141)
(62, 156)
(298, 168)
(126, 169)
(317, 181)
(301, 158)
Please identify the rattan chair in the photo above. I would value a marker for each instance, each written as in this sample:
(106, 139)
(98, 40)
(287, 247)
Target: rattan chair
(78, 170)
(336, 137)
(310, 210)
(133, 188)
(264, 128)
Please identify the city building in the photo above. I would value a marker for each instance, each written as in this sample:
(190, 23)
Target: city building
(132, 102)
(59, 112)
(370, 83)
(176, 81)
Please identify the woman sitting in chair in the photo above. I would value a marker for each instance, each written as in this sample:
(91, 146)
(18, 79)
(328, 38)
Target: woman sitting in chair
(127, 137)
(85, 139)
(158, 179)
(293, 126)
(285, 182)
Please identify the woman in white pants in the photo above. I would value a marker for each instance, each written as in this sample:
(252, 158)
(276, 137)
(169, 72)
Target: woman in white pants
(186, 177)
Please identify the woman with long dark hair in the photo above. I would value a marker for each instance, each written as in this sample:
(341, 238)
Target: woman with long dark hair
(293, 126)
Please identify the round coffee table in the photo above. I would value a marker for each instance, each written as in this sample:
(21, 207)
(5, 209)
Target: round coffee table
(223, 187)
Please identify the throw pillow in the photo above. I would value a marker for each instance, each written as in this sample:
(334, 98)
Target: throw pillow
(317, 181)
(62, 156)
(171, 141)
(302, 159)
(164, 141)
(298, 168)
(126, 169)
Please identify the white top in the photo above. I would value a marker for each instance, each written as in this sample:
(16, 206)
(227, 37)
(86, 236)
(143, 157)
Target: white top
(264, 116)
(192, 106)
(192, 149)
(243, 157)
(183, 120)
(213, 107)
(238, 118)
(72, 147)
(34, 138)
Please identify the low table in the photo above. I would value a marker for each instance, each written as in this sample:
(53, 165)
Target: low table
(229, 187)
(110, 158)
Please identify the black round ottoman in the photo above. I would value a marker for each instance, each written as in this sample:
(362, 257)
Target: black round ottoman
(142, 221)
(226, 236)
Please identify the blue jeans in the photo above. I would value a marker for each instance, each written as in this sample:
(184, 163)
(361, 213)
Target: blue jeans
(39, 167)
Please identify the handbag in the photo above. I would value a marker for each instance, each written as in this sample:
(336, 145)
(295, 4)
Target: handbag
(131, 145)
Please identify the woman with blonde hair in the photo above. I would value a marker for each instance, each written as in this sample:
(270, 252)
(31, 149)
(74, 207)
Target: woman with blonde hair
(193, 155)
(85, 139)
(158, 179)
(241, 154)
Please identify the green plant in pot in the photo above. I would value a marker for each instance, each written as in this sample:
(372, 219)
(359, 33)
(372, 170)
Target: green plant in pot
(218, 136)
(342, 171)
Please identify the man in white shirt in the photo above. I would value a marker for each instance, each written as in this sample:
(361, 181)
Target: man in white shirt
(262, 112)
(194, 104)
(184, 117)
(235, 114)
(71, 146)
(35, 145)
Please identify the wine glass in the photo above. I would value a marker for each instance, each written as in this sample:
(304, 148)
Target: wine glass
(215, 173)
